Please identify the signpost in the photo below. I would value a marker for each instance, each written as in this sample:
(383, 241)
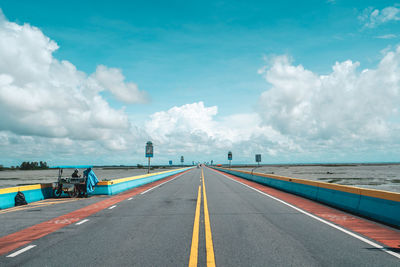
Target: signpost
(258, 159)
(230, 158)
(182, 160)
(149, 153)
(170, 163)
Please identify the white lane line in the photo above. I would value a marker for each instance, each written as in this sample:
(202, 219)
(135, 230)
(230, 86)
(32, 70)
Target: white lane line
(130, 198)
(110, 208)
(83, 221)
(397, 255)
(16, 253)
(144, 192)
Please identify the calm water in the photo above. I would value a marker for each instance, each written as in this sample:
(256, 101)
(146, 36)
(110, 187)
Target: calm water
(382, 177)
(18, 178)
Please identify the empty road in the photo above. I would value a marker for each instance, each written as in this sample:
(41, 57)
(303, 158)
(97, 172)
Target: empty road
(199, 218)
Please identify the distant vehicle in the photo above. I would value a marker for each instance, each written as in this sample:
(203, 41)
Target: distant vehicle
(219, 165)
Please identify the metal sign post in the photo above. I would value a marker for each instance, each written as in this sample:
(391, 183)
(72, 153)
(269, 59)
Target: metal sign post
(258, 159)
(149, 153)
(230, 158)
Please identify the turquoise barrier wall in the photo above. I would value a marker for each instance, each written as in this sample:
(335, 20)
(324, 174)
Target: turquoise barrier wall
(378, 205)
(43, 191)
(115, 186)
(32, 193)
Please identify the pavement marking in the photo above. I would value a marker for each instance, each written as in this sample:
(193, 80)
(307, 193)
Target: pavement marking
(148, 190)
(21, 251)
(81, 222)
(36, 204)
(397, 255)
(195, 237)
(207, 226)
(130, 198)
(113, 206)
(25, 236)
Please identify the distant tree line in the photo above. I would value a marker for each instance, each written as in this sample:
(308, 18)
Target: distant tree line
(26, 165)
(34, 165)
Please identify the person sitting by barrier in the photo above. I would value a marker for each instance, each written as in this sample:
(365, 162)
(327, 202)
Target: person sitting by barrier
(76, 174)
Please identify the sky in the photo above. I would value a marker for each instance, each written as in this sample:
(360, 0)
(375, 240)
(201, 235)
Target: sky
(89, 83)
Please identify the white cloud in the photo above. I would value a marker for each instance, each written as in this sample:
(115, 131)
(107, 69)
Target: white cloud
(51, 108)
(387, 36)
(42, 96)
(193, 128)
(341, 108)
(189, 127)
(113, 80)
(374, 17)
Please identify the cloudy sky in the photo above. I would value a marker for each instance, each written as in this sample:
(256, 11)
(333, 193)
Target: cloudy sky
(84, 83)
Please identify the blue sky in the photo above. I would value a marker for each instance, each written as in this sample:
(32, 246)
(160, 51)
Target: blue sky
(184, 52)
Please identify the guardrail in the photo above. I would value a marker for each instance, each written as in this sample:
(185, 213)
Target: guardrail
(378, 205)
(38, 192)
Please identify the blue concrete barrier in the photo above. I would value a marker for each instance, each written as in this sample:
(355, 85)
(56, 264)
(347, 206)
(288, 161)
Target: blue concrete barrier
(43, 191)
(32, 193)
(381, 205)
(378, 205)
(119, 185)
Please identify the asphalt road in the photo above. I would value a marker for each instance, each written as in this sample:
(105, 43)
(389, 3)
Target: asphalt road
(156, 229)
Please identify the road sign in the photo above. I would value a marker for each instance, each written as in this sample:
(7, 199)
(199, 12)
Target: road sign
(170, 162)
(229, 155)
(258, 157)
(149, 149)
(182, 159)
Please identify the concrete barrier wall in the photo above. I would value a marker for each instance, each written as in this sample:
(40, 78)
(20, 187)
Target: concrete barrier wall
(42, 191)
(379, 205)
(119, 185)
(32, 193)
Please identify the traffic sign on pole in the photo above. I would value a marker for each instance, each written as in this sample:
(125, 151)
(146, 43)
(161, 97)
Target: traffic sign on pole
(258, 159)
(149, 149)
(230, 158)
(149, 153)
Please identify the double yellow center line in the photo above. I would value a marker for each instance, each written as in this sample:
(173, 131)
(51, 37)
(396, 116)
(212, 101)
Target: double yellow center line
(195, 238)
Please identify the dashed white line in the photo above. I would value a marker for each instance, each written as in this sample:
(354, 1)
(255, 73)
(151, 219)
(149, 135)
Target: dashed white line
(397, 255)
(144, 192)
(16, 253)
(83, 221)
(130, 198)
(110, 208)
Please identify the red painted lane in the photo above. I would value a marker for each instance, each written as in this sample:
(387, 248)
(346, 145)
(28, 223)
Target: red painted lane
(25, 236)
(386, 236)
